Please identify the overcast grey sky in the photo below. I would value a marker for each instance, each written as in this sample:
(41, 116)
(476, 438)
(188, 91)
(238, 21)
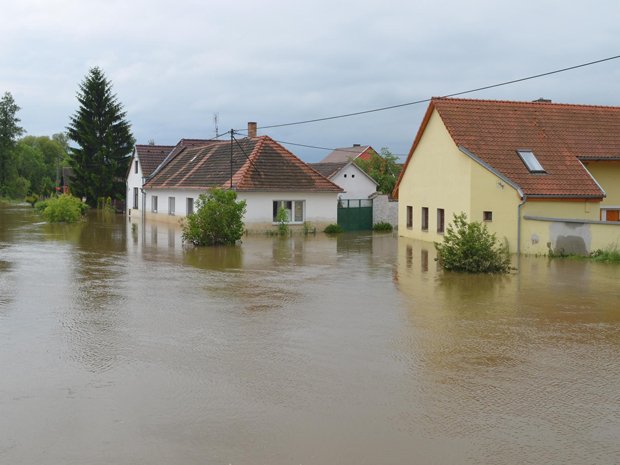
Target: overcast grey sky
(173, 64)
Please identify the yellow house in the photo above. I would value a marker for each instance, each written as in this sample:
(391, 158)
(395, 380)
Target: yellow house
(543, 177)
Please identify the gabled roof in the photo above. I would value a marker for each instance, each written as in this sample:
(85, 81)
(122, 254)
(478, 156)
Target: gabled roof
(559, 135)
(258, 164)
(150, 156)
(329, 170)
(346, 154)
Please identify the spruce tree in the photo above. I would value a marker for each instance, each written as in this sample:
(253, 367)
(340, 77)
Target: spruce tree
(99, 128)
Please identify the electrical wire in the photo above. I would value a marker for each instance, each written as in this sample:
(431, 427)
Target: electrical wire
(454, 94)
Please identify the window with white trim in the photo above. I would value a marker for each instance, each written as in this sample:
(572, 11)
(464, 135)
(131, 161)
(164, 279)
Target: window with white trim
(154, 204)
(190, 205)
(295, 210)
(171, 205)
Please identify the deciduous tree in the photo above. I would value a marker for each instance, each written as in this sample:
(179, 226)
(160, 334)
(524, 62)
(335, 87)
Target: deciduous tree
(9, 132)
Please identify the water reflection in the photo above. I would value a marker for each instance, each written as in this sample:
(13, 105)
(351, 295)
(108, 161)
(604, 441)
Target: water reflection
(357, 343)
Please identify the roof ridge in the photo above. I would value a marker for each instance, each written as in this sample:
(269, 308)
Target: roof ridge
(524, 103)
(245, 168)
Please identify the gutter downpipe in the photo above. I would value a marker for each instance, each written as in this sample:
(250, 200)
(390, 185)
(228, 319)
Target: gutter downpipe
(143, 212)
(519, 207)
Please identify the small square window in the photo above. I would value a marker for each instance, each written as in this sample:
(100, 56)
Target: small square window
(487, 216)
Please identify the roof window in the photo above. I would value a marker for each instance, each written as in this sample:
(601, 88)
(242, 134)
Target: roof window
(531, 161)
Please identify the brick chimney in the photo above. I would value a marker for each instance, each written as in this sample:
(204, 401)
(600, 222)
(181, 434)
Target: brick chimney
(251, 129)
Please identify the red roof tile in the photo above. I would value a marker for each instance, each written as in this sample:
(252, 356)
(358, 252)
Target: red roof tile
(558, 134)
(258, 164)
(150, 156)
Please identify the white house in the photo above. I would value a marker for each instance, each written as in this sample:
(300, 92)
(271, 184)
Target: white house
(261, 171)
(145, 159)
(354, 181)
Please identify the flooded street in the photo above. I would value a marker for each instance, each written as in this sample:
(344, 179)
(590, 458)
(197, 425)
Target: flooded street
(118, 345)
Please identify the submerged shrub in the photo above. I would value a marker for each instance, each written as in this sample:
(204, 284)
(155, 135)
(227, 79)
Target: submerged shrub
(382, 226)
(610, 254)
(62, 209)
(471, 248)
(218, 219)
(333, 229)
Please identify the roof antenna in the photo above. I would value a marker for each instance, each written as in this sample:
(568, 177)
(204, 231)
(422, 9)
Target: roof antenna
(215, 118)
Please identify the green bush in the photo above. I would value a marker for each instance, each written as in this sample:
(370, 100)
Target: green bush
(382, 226)
(471, 248)
(62, 209)
(31, 199)
(333, 229)
(218, 219)
(610, 254)
(282, 220)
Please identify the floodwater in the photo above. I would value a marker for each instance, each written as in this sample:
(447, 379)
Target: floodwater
(119, 346)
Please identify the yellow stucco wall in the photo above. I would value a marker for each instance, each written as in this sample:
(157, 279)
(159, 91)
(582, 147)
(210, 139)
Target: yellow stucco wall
(607, 174)
(438, 176)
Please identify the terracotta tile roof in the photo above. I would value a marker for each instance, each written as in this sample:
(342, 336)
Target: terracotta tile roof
(150, 156)
(258, 164)
(558, 134)
(328, 169)
(345, 154)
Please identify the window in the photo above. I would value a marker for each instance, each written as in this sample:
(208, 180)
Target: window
(154, 204)
(409, 217)
(610, 214)
(171, 205)
(294, 210)
(487, 216)
(440, 220)
(136, 166)
(190, 205)
(531, 161)
(345, 175)
(352, 175)
(424, 218)
(135, 198)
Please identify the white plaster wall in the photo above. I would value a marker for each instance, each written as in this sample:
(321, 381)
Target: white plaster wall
(356, 184)
(134, 180)
(320, 208)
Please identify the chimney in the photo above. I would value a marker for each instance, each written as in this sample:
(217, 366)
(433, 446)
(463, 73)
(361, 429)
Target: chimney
(251, 129)
(542, 100)
(356, 145)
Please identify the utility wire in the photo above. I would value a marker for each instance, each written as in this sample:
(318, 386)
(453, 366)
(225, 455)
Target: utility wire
(232, 134)
(455, 94)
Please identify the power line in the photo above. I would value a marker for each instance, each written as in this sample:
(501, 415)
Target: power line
(455, 94)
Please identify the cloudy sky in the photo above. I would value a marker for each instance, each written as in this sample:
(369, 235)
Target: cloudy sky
(174, 64)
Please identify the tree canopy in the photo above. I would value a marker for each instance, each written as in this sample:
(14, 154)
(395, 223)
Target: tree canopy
(9, 132)
(104, 139)
(383, 168)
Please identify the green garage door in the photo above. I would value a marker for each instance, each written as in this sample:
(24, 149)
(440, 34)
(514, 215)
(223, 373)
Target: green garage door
(355, 214)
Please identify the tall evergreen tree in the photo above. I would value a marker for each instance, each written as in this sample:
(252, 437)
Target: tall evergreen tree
(9, 132)
(99, 128)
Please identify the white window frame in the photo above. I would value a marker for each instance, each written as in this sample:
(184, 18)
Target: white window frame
(171, 206)
(154, 204)
(291, 211)
(189, 206)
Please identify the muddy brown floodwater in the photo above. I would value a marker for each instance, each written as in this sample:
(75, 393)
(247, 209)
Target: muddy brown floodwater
(119, 346)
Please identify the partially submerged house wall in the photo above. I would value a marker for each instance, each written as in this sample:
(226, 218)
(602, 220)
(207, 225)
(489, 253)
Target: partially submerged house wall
(437, 177)
(545, 235)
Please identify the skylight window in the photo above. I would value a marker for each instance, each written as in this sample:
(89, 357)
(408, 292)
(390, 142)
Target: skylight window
(531, 161)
